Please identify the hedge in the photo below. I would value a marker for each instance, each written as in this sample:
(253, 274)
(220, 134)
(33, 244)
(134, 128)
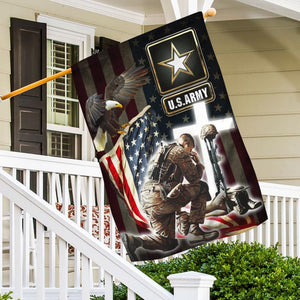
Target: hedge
(243, 271)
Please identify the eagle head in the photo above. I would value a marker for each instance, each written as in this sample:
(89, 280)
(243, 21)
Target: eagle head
(110, 104)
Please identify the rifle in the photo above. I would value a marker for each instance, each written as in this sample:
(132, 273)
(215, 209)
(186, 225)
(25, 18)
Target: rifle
(208, 133)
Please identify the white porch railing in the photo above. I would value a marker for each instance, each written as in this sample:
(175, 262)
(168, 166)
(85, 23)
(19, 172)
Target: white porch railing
(282, 203)
(76, 187)
(37, 261)
(26, 204)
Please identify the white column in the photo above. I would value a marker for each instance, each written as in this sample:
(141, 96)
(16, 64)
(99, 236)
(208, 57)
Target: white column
(191, 285)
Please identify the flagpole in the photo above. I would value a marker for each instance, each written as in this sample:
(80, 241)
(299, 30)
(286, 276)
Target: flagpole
(211, 12)
(35, 84)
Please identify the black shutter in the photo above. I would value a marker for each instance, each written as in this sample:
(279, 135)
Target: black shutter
(104, 43)
(28, 64)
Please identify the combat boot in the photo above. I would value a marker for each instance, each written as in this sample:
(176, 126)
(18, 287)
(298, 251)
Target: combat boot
(244, 203)
(183, 223)
(196, 234)
(253, 204)
(131, 243)
(242, 206)
(239, 195)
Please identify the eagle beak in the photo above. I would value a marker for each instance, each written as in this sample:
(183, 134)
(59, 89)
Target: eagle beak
(119, 105)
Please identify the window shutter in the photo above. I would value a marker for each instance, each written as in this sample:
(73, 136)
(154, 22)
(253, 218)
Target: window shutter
(104, 43)
(28, 64)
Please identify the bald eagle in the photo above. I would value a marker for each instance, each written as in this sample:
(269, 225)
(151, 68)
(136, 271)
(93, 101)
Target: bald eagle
(102, 113)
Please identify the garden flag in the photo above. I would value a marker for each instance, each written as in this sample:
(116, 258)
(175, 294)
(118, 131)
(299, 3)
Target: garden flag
(177, 174)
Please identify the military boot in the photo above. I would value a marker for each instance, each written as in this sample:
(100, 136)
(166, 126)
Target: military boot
(131, 243)
(183, 223)
(196, 234)
(239, 195)
(253, 204)
(242, 206)
(244, 203)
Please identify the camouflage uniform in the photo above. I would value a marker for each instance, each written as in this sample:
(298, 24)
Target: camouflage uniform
(163, 197)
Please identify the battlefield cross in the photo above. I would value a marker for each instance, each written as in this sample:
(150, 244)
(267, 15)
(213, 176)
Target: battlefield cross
(195, 129)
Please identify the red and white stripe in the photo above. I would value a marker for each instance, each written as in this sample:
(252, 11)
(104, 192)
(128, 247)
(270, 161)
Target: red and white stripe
(91, 76)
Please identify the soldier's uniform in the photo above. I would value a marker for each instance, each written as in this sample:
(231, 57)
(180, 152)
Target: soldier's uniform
(164, 194)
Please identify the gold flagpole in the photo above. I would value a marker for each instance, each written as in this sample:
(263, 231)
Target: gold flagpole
(211, 12)
(35, 84)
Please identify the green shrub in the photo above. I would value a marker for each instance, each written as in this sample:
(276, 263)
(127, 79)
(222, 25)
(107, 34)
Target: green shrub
(243, 271)
(6, 296)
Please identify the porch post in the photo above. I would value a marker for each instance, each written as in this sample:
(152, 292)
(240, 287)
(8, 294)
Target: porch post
(191, 285)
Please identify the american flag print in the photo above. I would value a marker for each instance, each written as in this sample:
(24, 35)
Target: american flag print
(127, 162)
(183, 90)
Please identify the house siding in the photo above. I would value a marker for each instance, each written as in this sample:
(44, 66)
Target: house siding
(260, 63)
(108, 27)
(259, 60)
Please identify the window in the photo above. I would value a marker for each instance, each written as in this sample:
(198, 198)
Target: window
(67, 43)
(62, 144)
(62, 104)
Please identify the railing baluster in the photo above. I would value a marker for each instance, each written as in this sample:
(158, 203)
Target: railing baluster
(275, 220)
(77, 199)
(130, 294)
(12, 243)
(298, 226)
(260, 233)
(90, 203)
(86, 277)
(112, 231)
(123, 251)
(268, 222)
(18, 254)
(108, 286)
(52, 260)
(40, 252)
(26, 232)
(52, 190)
(65, 193)
(58, 189)
(291, 227)
(283, 226)
(100, 202)
(40, 247)
(251, 236)
(52, 239)
(243, 237)
(77, 220)
(76, 268)
(63, 269)
(72, 180)
(83, 191)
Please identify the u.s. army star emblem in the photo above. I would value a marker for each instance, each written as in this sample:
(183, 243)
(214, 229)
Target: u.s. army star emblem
(176, 61)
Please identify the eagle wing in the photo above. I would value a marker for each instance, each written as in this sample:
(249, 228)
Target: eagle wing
(94, 111)
(125, 86)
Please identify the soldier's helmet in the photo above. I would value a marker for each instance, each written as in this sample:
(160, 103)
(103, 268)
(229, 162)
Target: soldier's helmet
(208, 131)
